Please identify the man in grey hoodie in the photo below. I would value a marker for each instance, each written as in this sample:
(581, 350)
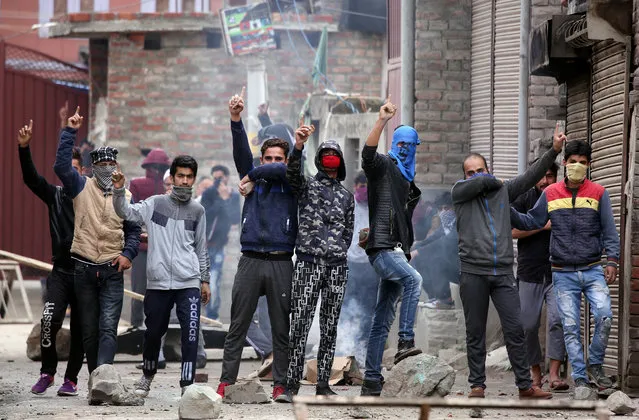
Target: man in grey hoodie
(178, 265)
(482, 207)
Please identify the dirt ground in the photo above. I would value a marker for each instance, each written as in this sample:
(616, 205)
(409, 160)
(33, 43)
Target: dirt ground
(17, 375)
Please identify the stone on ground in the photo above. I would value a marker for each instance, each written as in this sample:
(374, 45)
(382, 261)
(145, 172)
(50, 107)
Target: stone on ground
(199, 402)
(127, 398)
(246, 392)
(419, 376)
(105, 382)
(498, 360)
(476, 413)
(455, 358)
(62, 345)
(585, 393)
(620, 403)
(388, 360)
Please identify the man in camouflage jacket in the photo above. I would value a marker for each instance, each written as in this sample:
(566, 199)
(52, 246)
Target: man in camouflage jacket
(326, 218)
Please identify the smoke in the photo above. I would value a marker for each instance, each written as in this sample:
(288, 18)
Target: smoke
(353, 330)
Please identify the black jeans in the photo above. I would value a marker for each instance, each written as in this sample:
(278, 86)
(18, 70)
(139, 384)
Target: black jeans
(475, 291)
(138, 285)
(256, 277)
(60, 293)
(99, 290)
(157, 308)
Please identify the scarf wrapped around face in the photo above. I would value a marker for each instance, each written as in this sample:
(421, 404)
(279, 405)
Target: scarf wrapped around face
(405, 155)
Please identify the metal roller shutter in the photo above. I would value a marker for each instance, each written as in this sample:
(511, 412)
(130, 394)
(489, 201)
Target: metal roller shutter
(610, 80)
(481, 80)
(578, 108)
(506, 88)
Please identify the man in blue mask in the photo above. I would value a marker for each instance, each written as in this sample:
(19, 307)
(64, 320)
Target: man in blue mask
(392, 197)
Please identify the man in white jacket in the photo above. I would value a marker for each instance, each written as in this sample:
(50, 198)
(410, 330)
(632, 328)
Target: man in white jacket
(178, 265)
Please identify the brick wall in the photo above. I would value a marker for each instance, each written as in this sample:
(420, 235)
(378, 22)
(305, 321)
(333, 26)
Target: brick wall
(442, 88)
(177, 98)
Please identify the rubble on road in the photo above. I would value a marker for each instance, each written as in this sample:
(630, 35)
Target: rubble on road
(199, 402)
(105, 382)
(246, 392)
(620, 403)
(62, 344)
(419, 376)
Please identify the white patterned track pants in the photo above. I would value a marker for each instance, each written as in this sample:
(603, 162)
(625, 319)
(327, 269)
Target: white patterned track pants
(309, 282)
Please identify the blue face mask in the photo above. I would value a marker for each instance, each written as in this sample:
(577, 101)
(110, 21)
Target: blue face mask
(405, 154)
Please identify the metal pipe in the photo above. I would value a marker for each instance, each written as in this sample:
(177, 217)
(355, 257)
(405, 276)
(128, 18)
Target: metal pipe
(522, 123)
(408, 62)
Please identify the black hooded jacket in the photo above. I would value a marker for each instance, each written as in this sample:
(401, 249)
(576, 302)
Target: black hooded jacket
(326, 210)
(61, 214)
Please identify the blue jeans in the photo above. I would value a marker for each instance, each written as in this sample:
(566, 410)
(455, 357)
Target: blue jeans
(99, 290)
(569, 286)
(217, 261)
(398, 278)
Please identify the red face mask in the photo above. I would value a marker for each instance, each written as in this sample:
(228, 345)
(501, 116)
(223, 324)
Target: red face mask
(331, 162)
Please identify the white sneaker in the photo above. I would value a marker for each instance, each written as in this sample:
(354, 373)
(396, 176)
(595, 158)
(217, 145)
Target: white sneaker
(143, 386)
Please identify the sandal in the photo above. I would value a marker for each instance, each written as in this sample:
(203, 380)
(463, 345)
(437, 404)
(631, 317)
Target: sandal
(559, 385)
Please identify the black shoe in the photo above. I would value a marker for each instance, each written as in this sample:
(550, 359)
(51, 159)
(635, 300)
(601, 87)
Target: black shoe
(322, 388)
(161, 365)
(581, 382)
(597, 375)
(371, 388)
(200, 363)
(406, 348)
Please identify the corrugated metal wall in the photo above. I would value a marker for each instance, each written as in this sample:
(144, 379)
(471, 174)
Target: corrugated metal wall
(481, 80)
(610, 79)
(24, 227)
(506, 99)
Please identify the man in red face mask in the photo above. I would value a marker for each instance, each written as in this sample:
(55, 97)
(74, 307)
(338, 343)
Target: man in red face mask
(326, 217)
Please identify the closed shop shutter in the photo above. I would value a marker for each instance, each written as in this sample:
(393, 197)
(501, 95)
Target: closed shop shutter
(506, 88)
(481, 81)
(578, 107)
(610, 81)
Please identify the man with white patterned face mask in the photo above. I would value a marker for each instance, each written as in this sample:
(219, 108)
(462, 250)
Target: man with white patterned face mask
(103, 245)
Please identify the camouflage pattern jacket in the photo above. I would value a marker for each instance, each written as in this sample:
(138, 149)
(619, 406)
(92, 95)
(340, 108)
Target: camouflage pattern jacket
(326, 215)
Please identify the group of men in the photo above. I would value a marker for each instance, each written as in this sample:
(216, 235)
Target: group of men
(96, 227)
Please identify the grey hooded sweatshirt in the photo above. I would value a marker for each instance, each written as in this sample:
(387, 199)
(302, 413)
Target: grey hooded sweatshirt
(177, 255)
(482, 206)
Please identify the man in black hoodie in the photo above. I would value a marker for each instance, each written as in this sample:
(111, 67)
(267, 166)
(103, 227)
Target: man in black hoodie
(482, 206)
(60, 292)
(326, 218)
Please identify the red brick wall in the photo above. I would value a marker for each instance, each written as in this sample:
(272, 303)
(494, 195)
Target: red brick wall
(176, 97)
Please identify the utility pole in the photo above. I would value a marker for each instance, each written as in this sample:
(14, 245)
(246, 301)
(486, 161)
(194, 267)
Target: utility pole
(408, 62)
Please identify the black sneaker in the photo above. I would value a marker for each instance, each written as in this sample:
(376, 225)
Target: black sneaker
(598, 377)
(581, 382)
(406, 348)
(322, 388)
(371, 388)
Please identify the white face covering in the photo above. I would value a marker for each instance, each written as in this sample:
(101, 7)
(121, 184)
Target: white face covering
(102, 175)
(576, 172)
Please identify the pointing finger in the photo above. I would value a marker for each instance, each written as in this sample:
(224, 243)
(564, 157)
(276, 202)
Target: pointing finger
(243, 92)
(30, 125)
(557, 129)
(301, 120)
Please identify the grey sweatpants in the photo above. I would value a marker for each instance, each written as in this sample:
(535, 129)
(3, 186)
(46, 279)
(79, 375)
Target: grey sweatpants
(532, 297)
(256, 277)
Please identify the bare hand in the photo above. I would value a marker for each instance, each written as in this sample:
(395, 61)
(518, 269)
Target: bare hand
(558, 139)
(206, 293)
(246, 188)
(76, 120)
(64, 114)
(262, 109)
(24, 135)
(118, 179)
(302, 134)
(236, 105)
(122, 262)
(548, 225)
(414, 253)
(388, 110)
(610, 274)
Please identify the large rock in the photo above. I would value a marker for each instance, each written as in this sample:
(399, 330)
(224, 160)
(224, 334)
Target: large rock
(458, 360)
(62, 344)
(620, 403)
(498, 360)
(200, 402)
(246, 392)
(104, 383)
(127, 398)
(585, 393)
(419, 376)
